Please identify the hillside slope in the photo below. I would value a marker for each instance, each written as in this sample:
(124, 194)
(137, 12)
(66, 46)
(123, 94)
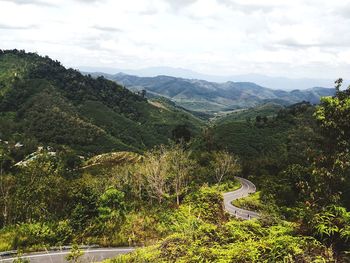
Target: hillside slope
(263, 110)
(44, 102)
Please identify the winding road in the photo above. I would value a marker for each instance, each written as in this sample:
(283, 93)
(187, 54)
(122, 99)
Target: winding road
(247, 188)
(99, 254)
(90, 255)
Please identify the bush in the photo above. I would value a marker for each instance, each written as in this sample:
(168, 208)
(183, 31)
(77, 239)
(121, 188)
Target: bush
(42, 235)
(207, 204)
(236, 241)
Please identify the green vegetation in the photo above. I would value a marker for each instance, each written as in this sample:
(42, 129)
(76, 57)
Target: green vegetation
(234, 241)
(251, 202)
(266, 136)
(85, 161)
(44, 103)
(75, 255)
(112, 199)
(268, 110)
(299, 160)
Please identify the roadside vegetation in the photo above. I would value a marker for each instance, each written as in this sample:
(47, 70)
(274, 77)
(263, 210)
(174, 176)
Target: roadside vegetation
(110, 200)
(251, 202)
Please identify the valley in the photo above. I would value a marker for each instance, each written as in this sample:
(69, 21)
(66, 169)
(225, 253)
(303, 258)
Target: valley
(86, 161)
(211, 97)
(174, 131)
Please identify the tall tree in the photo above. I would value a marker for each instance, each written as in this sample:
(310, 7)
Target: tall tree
(180, 166)
(333, 167)
(333, 114)
(7, 183)
(155, 173)
(224, 165)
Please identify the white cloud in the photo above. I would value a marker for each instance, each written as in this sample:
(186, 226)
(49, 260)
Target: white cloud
(31, 2)
(301, 38)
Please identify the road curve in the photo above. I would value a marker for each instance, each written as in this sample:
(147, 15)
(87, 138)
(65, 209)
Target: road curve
(90, 255)
(247, 188)
(99, 254)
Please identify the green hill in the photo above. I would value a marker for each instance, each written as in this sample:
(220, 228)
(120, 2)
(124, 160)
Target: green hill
(265, 110)
(42, 101)
(276, 139)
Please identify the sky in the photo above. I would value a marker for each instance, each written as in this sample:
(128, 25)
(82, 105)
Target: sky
(297, 39)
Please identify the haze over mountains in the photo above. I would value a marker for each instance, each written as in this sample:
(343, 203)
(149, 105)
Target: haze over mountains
(277, 82)
(205, 96)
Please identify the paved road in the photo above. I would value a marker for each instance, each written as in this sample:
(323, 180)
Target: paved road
(247, 188)
(99, 254)
(90, 255)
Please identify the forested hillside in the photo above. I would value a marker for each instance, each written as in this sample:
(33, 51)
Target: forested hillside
(41, 102)
(300, 162)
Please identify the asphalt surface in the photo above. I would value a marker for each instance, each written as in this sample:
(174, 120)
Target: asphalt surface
(247, 188)
(90, 255)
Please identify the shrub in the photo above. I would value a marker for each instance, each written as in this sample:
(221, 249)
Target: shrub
(207, 204)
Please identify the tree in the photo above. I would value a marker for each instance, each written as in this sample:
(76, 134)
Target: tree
(7, 187)
(75, 254)
(258, 119)
(181, 133)
(112, 205)
(40, 190)
(265, 119)
(333, 167)
(83, 195)
(180, 166)
(7, 184)
(20, 259)
(155, 173)
(332, 225)
(333, 114)
(225, 164)
(208, 137)
(112, 211)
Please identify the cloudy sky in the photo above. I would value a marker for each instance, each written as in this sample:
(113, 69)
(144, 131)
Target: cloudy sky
(292, 38)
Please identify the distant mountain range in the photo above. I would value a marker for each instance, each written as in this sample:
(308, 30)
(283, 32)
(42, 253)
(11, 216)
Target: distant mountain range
(205, 96)
(282, 83)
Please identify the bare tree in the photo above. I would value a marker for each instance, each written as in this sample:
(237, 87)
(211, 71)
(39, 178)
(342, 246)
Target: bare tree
(179, 168)
(6, 186)
(155, 172)
(224, 165)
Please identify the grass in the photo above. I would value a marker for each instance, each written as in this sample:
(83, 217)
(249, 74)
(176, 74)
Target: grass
(268, 110)
(251, 202)
(6, 239)
(227, 186)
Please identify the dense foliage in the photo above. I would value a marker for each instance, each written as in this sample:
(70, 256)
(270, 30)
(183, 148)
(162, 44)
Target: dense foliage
(300, 161)
(43, 102)
(166, 194)
(234, 242)
(110, 199)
